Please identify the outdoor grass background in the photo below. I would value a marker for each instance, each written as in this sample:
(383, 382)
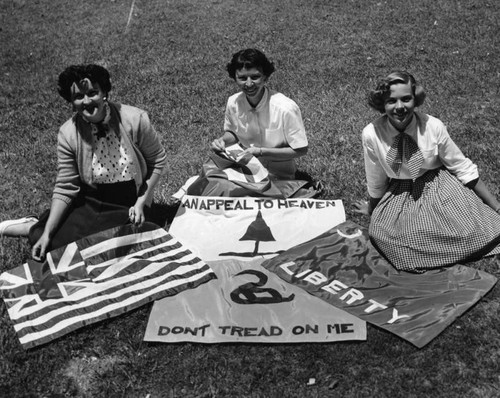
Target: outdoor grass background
(168, 57)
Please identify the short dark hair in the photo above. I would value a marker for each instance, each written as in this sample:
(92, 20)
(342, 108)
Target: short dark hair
(76, 73)
(250, 58)
(377, 97)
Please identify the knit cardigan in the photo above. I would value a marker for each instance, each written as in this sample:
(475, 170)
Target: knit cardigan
(74, 150)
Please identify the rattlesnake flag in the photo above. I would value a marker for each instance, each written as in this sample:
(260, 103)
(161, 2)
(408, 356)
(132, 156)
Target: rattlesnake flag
(97, 277)
(248, 304)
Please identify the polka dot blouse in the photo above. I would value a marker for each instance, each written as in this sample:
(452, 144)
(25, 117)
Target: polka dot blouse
(111, 161)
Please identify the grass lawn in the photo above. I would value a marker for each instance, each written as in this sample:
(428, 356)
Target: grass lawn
(168, 57)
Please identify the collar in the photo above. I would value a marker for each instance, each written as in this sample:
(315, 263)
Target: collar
(262, 103)
(100, 129)
(410, 130)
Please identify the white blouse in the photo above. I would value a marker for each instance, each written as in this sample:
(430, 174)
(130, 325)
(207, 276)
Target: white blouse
(433, 140)
(275, 122)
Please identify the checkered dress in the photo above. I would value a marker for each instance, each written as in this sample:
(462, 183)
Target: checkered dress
(433, 221)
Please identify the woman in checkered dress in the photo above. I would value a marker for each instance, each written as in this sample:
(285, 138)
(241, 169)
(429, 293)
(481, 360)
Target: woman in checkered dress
(428, 206)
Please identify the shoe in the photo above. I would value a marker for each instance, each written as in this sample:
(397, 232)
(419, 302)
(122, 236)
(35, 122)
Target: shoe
(8, 223)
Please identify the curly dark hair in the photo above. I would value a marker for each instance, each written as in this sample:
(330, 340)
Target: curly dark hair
(250, 58)
(377, 97)
(76, 73)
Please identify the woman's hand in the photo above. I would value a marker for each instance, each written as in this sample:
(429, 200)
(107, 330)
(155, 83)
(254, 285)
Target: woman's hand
(136, 214)
(254, 150)
(218, 145)
(39, 249)
(57, 210)
(362, 207)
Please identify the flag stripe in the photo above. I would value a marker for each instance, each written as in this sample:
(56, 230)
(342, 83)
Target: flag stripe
(101, 247)
(145, 253)
(133, 265)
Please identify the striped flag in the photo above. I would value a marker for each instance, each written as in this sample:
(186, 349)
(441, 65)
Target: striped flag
(97, 277)
(241, 167)
(234, 173)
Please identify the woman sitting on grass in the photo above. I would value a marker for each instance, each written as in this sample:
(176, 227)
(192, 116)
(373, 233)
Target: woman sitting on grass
(428, 206)
(266, 123)
(268, 127)
(109, 161)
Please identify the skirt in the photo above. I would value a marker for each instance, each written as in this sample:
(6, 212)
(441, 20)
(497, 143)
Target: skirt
(93, 210)
(432, 222)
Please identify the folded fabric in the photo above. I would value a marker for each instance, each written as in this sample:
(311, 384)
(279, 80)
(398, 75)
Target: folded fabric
(240, 166)
(234, 173)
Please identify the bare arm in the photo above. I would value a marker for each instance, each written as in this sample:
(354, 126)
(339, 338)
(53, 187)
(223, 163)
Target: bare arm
(285, 153)
(145, 197)
(483, 192)
(57, 210)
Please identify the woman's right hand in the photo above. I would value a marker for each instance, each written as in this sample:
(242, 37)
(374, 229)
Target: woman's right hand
(218, 145)
(40, 248)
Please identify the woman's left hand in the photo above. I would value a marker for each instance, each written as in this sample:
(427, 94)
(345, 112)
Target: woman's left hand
(136, 214)
(362, 207)
(254, 150)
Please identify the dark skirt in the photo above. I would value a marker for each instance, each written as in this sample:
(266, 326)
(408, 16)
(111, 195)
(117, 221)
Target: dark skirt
(94, 210)
(432, 222)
